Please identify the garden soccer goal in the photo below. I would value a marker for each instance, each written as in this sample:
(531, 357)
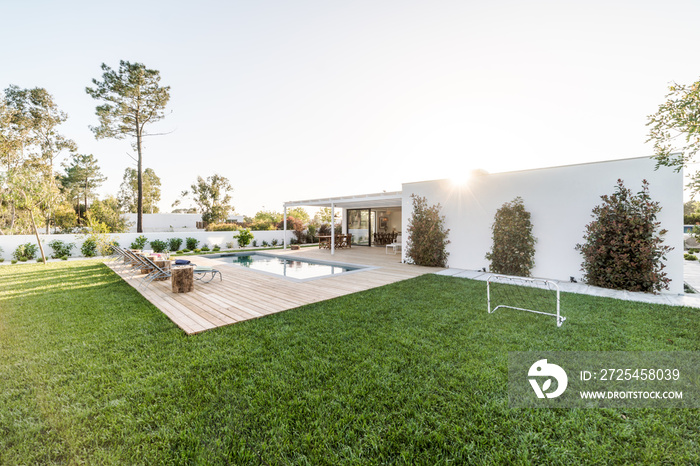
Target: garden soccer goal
(524, 294)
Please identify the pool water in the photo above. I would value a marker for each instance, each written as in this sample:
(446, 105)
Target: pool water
(298, 269)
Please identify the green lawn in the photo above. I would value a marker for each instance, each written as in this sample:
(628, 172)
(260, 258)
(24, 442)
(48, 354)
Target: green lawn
(410, 373)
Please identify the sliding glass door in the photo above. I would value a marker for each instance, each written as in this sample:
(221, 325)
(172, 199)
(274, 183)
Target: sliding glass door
(359, 226)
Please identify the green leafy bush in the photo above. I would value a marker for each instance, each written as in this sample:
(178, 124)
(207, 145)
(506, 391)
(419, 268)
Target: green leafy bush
(89, 247)
(26, 251)
(159, 246)
(690, 257)
(60, 249)
(13, 261)
(513, 248)
(186, 250)
(191, 243)
(244, 237)
(623, 244)
(222, 227)
(205, 248)
(275, 242)
(216, 248)
(139, 243)
(427, 235)
(174, 244)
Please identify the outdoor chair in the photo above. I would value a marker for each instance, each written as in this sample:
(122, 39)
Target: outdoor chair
(200, 274)
(396, 245)
(156, 272)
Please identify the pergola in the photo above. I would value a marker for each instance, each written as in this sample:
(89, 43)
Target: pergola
(362, 201)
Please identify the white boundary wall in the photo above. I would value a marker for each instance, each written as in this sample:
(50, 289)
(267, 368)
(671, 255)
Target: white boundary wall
(10, 242)
(560, 200)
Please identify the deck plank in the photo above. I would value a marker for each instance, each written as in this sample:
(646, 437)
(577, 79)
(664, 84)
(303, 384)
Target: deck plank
(245, 294)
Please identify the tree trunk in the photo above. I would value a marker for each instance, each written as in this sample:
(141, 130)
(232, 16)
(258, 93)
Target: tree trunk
(139, 182)
(36, 233)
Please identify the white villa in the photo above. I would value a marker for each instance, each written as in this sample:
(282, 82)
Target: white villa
(560, 200)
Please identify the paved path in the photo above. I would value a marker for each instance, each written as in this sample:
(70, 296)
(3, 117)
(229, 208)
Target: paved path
(691, 275)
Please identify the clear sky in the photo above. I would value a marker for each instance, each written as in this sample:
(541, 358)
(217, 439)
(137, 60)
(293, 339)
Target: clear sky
(303, 99)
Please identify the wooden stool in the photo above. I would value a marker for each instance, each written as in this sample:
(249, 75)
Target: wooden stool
(182, 279)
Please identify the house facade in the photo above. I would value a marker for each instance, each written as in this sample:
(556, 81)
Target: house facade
(560, 200)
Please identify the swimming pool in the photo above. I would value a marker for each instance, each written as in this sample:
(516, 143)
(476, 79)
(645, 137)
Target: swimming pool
(288, 267)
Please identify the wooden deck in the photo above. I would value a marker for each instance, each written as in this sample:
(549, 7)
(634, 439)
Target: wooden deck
(247, 294)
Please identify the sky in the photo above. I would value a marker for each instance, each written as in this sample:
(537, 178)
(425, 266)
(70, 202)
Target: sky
(294, 100)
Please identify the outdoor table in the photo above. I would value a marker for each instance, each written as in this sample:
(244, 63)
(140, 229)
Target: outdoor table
(182, 279)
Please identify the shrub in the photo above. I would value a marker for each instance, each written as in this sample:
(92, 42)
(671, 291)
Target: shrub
(216, 248)
(690, 257)
(244, 237)
(25, 251)
(222, 227)
(174, 244)
(265, 244)
(205, 248)
(186, 250)
(197, 251)
(13, 261)
(255, 243)
(64, 258)
(89, 247)
(60, 249)
(229, 245)
(2, 259)
(427, 236)
(513, 248)
(159, 246)
(623, 244)
(191, 243)
(275, 242)
(139, 243)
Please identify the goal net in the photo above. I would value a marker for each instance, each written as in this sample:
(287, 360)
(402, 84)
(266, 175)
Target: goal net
(524, 294)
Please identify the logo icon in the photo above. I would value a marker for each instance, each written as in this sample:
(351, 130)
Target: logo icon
(542, 368)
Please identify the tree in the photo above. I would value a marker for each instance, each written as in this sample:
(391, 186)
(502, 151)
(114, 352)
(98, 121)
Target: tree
(29, 139)
(28, 192)
(133, 99)
(129, 193)
(623, 244)
(82, 178)
(212, 197)
(513, 249)
(427, 236)
(691, 207)
(266, 220)
(675, 129)
(108, 213)
(300, 214)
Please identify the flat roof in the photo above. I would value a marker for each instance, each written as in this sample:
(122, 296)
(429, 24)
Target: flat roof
(359, 201)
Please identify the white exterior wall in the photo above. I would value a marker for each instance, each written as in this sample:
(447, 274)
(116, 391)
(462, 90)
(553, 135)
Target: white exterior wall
(165, 222)
(10, 242)
(560, 200)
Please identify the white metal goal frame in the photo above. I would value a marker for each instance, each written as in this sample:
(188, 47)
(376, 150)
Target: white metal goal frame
(537, 283)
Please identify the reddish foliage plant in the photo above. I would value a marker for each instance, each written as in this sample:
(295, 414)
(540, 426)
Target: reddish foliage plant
(623, 246)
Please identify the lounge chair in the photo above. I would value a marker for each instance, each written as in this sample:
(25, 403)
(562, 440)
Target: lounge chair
(201, 272)
(156, 271)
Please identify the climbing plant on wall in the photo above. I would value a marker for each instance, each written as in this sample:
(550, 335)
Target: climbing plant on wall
(513, 248)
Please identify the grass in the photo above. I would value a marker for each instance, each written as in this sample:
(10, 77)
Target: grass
(410, 373)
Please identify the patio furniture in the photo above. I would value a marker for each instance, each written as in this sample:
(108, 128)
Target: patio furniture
(156, 272)
(201, 272)
(182, 279)
(396, 245)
